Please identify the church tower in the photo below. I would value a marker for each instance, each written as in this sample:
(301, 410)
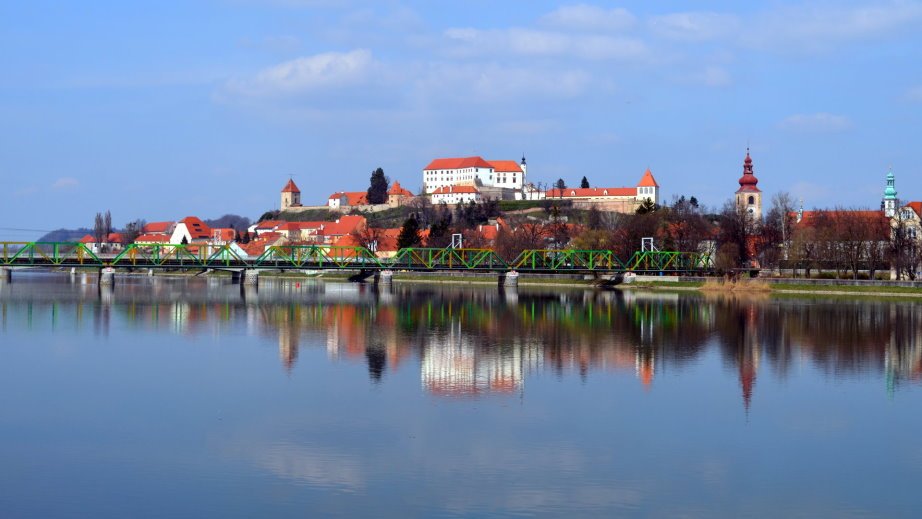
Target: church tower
(889, 202)
(749, 196)
(291, 195)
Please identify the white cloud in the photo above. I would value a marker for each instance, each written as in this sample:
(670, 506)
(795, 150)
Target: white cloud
(818, 122)
(712, 76)
(694, 26)
(589, 17)
(915, 93)
(492, 82)
(65, 183)
(327, 70)
(529, 42)
(815, 27)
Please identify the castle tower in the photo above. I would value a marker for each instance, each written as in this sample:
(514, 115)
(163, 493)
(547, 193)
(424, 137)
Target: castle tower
(524, 169)
(889, 202)
(291, 195)
(647, 188)
(749, 196)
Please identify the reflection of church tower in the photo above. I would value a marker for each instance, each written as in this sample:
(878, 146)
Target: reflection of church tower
(288, 345)
(749, 355)
(749, 196)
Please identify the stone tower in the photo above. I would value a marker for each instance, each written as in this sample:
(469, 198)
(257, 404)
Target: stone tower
(749, 196)
(889, 202)
(291, 195)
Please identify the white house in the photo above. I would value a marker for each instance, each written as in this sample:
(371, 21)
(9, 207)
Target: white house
(474, 171)
(456, 195)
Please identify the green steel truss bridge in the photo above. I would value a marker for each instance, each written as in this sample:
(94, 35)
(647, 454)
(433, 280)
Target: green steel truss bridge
(331, 257)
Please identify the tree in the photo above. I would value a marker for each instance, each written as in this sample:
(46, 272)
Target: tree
(647, 206)
(560, 184)
(409, 234)
(377, 188)
(585, 183)
(594, 218)
(368, 237)
(246, 237)
(132, 231)
(98, 228)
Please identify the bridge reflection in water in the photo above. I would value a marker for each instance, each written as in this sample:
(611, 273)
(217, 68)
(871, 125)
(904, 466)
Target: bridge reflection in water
(470, 342)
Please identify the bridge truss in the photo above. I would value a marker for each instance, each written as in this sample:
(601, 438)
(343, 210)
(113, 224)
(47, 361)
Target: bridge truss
(332, 257)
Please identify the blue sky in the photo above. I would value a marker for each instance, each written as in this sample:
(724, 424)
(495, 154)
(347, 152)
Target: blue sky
(159, 110)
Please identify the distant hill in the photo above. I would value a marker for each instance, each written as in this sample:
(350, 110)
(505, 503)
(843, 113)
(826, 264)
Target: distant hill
(66, 235)
(227, 221)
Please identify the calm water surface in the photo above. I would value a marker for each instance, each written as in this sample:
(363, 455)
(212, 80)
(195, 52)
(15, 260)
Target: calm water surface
(196, 398)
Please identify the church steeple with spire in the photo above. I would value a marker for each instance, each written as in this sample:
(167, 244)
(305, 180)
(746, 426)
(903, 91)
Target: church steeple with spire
(889, 201)
(749, 196)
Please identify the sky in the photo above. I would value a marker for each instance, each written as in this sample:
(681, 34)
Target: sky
(159, 110)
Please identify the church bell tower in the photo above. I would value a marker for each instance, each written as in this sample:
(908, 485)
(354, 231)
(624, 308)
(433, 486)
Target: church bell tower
(749, 196)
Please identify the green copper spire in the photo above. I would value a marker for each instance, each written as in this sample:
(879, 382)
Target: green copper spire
(890, 192)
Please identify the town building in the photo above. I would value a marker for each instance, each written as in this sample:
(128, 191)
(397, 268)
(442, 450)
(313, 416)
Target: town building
(452, 195)
(889, 202)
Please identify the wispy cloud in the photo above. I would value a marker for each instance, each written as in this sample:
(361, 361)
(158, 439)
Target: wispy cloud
(818, 122)
(326, 70)
(65, 183)
(712, 76)
(583, 17)
(694, 26)
(472, 42)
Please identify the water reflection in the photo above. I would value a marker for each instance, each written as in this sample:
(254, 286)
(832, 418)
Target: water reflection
(470, 342)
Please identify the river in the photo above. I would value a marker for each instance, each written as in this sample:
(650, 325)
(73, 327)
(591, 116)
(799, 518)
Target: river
(199, 398)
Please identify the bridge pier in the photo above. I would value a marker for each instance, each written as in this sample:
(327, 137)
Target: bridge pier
(251, 277)
(509, 279)
(384, 278)
(107, 276)
(6, 275)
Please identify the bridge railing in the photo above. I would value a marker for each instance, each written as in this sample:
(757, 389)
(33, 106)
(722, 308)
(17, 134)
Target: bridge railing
(451, 259)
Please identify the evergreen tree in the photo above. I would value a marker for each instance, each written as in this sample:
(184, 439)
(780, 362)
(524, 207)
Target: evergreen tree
(377, 188)
(585, 183)
(560, 184)
(409, 234)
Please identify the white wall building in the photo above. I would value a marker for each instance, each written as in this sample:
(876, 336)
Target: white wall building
(452, 195)
(474, 171)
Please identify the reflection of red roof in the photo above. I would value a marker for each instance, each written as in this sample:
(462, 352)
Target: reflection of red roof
(290, 187)
(157, 227)
(445, 190)
(506, 166)
(459, 163)
(591, 192)
(647, 180)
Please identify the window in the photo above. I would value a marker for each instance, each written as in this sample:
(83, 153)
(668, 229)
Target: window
(752, 200)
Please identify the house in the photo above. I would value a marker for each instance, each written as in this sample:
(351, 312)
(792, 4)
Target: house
(397, 195)
(191, 230)
(303, 232)
(456, 194)
(158, 228)
(113, 242)
(343, 199)
(346, 225)
(265, 226)
(152, 239)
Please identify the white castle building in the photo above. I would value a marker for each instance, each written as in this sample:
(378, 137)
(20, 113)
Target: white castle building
(497, 178)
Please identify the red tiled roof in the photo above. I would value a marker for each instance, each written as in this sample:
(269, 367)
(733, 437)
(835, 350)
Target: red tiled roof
(345, 225)
(587, 192)
(223, 234)
(152, 238)
(458, 163)
(872, 219)
(115, 237)
(197, 228)
(268, 224)
(397, 189)
(88, 239)
(352, 197)
(506, 166)
(647, 180)
(157, 227)
(445, 190)
(290, 187)
(917, 207)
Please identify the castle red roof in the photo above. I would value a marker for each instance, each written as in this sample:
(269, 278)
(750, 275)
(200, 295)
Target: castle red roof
(506, 166)
(397, 189)
(458, 163)
(647, 180)
(445, 190)
(290, 187)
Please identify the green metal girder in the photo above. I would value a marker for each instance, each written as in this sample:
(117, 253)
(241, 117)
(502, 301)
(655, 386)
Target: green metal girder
(429, 258)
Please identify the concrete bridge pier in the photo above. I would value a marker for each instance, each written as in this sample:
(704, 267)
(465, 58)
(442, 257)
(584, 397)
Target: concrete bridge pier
(251, 277)
(6, 275)
(107, 276)
(384, 278)
(509, 279)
